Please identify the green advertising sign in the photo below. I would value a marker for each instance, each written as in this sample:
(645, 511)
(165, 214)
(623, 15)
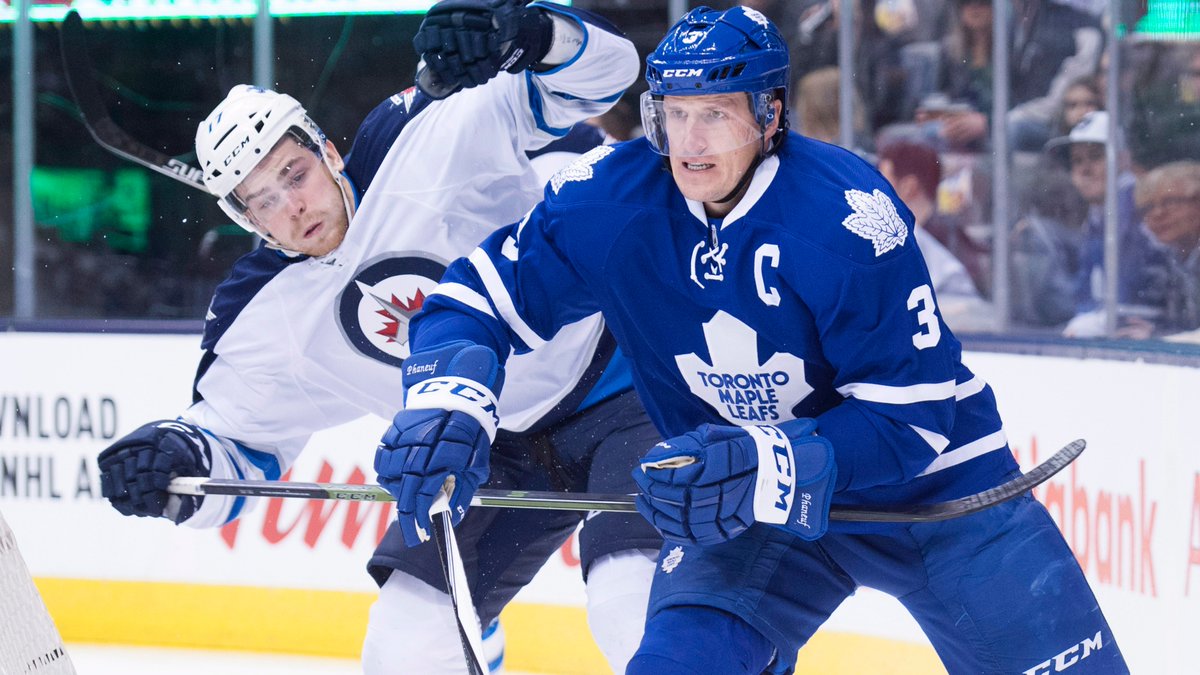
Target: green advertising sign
(1170, 20)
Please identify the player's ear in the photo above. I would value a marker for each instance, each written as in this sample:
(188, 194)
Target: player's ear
(774, 117)
(334, 158)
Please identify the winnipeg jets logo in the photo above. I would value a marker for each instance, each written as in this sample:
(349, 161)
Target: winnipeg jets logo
(739, 386)
(581, 168)
(672, 559)
(376, 306)
(394, 310)
(876, 220)
(757, 17)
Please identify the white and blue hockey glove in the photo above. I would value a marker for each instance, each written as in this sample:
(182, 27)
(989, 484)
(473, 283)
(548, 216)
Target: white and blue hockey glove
(442, 438)
(135, 471)
(465, 43)
(709, 485)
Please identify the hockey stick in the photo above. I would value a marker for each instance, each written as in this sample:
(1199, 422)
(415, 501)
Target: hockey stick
(457, 587)
(519, 499)
(81, 79)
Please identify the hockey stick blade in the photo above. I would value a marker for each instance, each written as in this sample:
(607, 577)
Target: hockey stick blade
(81, 80)
(582, 501)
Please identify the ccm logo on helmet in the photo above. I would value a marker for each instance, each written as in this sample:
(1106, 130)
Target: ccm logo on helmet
(240, 146)
(682, 72)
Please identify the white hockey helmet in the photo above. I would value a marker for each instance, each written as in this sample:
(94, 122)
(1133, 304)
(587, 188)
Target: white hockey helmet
(239, 133)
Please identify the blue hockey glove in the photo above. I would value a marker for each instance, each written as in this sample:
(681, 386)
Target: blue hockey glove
(465, 43)
(709, 485)
(135, 471)
(443, 436)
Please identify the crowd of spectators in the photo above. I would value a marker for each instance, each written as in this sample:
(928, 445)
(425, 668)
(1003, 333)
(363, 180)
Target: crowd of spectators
(923, 98)
(923, 95)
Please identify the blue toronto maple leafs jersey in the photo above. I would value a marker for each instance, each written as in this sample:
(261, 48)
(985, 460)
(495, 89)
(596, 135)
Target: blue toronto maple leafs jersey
(810, 299)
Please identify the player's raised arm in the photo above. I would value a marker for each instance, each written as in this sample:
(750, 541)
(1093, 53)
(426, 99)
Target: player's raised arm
(570, 64)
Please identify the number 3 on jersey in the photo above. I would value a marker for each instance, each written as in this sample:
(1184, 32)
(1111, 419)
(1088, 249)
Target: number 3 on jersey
(921, 299)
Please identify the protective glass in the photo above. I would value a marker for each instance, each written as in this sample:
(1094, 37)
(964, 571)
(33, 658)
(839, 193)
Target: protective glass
(272, 188)
(701, 126)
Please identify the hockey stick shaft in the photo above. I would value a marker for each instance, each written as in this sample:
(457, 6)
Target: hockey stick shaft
(568, 501)
(81, 80)
(458, 588)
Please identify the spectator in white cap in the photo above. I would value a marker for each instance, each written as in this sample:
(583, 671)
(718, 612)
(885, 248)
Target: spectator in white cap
(1140, 279)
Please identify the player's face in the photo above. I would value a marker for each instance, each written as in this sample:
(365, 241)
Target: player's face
(712, 142)
(293, 197)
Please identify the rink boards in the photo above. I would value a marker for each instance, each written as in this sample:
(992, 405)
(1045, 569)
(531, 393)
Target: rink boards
(290, 575)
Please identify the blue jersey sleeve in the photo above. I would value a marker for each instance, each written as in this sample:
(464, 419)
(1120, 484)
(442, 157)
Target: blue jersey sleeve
(895, 362)
(515, 291)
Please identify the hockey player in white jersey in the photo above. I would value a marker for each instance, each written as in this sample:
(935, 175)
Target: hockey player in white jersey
(310, 330)
(786, 340)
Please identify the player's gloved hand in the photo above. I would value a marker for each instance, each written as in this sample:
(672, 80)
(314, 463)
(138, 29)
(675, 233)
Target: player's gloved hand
(135, 471)
(709, 485)
(444, 432)
(465, 43)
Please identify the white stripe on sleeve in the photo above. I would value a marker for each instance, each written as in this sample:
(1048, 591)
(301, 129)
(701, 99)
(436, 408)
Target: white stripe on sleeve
(963, 453)
(883, 393)
(502, 300)
(465, 295)
(935, 440)
(969, 388)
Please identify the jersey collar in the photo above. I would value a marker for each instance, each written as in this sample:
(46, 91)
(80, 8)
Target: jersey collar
(758, 186)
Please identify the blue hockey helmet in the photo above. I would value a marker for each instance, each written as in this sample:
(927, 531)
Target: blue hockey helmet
(720, 52)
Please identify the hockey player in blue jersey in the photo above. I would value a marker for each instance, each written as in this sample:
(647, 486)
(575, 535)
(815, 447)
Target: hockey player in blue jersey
(309, 331)
(786, 341)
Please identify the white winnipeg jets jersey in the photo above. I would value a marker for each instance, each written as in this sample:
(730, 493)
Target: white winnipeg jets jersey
(294, 346)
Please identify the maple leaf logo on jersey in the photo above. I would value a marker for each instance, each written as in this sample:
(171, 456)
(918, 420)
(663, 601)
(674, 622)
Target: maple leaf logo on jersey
(581, 168)
(739, 386)
(876, 220)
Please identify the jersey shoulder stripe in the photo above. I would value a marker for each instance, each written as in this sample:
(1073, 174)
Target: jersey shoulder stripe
(378, 132)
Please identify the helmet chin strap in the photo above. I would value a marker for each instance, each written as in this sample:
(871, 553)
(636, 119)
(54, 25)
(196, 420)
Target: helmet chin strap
(745, 179)
(344, 186)
(749, 174)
